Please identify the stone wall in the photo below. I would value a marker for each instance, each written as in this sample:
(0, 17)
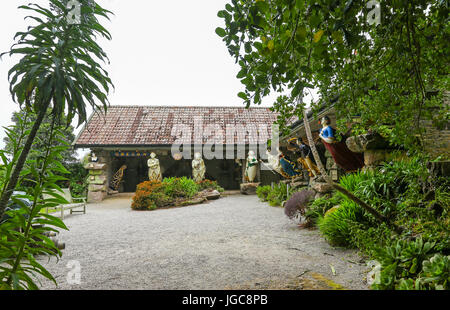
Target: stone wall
(436, 141)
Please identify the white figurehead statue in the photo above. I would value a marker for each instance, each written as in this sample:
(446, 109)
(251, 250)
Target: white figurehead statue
(94, 158)
(198, 168)
(251, 167)
(154, 171)
(273, 161)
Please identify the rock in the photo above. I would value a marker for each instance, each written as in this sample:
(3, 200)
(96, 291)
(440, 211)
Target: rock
(194, 201)
(249, 188)
(213, 195)
(318, 195)
(298, 184)
(95, 166)
(96, 196)
(362, 143)
(298, 179)
(322, 188)
(98, 180)
(97, 188)
(439, 168)
(374, 157)
(96, 172)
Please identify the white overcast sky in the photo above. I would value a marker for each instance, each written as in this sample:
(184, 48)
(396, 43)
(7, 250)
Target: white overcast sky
(162, 53)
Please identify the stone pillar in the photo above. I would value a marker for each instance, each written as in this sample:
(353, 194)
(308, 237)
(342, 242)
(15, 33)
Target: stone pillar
(97, 181)
(321, 189)
(331, 166)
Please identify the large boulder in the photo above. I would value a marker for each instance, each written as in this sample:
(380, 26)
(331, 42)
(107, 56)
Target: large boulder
(193, 201)
(370, 141)
(321, 187)
(212, 195)
(249, 188)
(373, 158)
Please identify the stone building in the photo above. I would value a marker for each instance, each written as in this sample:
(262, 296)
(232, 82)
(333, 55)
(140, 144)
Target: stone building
(126, 135)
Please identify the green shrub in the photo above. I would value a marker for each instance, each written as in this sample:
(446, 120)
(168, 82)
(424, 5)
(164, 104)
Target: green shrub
(278, 194)
(180, 187)
(401, 191)
(411, 265)
(263, 191)
(436, 272)
(319, 206)
(151, 195)
(208, 184)
(336, 226)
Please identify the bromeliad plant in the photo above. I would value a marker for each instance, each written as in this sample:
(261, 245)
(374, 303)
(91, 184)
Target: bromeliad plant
(59, 69)
(24, 231)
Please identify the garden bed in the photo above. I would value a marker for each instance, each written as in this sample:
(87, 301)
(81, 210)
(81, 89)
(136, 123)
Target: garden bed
(174, 192)
(412, 197)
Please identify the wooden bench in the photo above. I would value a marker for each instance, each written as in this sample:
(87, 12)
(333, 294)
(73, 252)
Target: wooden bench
(73, 204)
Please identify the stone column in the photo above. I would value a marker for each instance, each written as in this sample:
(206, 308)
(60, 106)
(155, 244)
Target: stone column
(97, 181)
(331, 166)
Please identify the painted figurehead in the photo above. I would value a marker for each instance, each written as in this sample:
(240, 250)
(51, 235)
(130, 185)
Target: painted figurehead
(251, 167)
(341, 154)
(273, 160)
(327, 134)
(325, 121)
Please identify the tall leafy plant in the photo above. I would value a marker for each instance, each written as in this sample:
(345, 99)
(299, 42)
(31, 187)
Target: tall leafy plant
(59, 69)
(24, 231)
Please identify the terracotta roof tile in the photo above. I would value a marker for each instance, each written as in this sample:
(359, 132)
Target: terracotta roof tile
(164, 125)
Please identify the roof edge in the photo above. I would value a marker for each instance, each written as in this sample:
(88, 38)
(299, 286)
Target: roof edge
(187, 106)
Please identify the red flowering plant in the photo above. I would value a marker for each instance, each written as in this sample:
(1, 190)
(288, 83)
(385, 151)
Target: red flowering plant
(150, 196)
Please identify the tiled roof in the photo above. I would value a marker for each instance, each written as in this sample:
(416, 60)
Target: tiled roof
(165, 125)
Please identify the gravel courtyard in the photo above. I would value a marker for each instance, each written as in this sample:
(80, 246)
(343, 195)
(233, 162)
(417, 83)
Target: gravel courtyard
(235, 242)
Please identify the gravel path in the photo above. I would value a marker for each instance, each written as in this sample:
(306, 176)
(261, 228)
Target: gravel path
(235, 242)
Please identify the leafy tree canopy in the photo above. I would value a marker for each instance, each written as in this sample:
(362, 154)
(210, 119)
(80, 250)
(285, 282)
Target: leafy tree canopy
(66, 137)
(389, 73)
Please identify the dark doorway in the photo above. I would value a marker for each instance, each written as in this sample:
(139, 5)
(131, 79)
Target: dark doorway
(135, 173)
(226, 172)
